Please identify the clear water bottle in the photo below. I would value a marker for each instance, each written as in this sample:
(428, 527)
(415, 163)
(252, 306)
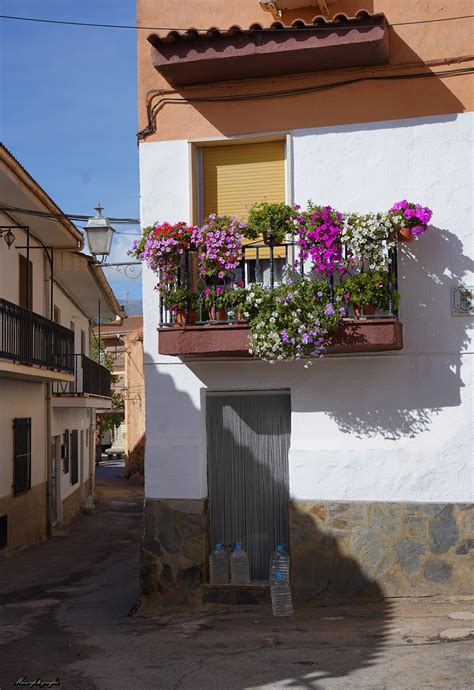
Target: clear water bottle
(280, 582)
(219, 566)
(239, 566)
(280, 562)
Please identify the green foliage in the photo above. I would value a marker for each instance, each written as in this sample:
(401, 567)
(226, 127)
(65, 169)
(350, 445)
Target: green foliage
(179, 298)
(292, 321)
(367, 288)
(272, 222)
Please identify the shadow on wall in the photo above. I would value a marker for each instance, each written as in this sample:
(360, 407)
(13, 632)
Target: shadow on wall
(176, 542)
(384, 404)
(370, 101)
(134, 462)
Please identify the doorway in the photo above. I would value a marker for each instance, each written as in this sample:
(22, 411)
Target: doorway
(248, 439)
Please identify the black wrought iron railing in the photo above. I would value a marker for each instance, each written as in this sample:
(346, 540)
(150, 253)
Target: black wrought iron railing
(90, 378)
(271, 265)
(30, 338)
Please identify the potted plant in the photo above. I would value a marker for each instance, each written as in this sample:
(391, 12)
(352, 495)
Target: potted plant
(292, 321)
(367, 292)
(411, 220)
(162, 247)
(219, 245)
(318, 230)
(270, 221)
(214, 301)
(181, 302)
(234, 300)
(368, 239)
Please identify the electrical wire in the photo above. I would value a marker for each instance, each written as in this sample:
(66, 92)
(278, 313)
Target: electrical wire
(69, 216)
(152, 110)
(171, 28)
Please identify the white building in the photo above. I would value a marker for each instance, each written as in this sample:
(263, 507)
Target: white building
(50, 389)
(366, 457)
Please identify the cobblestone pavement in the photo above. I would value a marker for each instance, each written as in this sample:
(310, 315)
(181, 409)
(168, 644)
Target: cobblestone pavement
(66, 605)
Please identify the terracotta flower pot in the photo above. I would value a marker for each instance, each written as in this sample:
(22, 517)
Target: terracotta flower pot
(364, 309)
(180, 317)
(405, 235)
(217, 314)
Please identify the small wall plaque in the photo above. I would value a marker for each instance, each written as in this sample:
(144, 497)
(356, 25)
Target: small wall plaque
(463, 300)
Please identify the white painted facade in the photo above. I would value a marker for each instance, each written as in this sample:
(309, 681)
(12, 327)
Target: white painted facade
(379, 427)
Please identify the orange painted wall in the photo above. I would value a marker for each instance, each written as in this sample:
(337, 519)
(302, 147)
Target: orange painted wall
(423, 47)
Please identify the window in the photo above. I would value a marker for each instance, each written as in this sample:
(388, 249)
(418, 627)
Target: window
(22, 455)
(3, 531)
(83, 342)
(66, 451)
(236, 176)
(25, 283)
(57, 314)
(74, 456)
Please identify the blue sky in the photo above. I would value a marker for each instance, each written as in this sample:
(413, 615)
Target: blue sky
(69, 110)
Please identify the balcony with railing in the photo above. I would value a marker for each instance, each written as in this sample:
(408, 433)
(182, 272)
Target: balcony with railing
(211, 322)
(27, 338)
(90, 379)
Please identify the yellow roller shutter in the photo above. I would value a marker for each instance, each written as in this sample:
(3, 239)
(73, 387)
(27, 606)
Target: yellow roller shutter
(237, 176)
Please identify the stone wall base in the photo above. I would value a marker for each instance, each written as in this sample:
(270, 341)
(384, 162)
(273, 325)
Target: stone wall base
(174, 551)
(26, 517)
(380, 549)
(339, 550)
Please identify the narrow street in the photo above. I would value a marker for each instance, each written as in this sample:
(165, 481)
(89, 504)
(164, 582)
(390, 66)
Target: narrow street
(66, 614)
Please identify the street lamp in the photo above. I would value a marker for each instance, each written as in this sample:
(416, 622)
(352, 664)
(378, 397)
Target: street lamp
(99, 235)
(8, 236)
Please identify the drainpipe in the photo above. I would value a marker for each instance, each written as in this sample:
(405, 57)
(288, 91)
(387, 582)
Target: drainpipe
(49, 463)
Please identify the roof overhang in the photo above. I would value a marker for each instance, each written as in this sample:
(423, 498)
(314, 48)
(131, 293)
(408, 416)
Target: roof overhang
(84, 281)
(195, 57)
(18, 189)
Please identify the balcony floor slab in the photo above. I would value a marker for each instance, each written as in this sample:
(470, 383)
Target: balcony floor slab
(32, 372)
(232, 340)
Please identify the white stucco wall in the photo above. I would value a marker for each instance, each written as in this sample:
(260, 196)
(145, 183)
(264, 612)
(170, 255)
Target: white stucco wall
(22, 400)
(392, 426)
(9, 270)
(69, 418)
(70, 313)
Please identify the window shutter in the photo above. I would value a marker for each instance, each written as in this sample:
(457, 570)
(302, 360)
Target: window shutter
(237, 176)
(22, 454)
(74, 456)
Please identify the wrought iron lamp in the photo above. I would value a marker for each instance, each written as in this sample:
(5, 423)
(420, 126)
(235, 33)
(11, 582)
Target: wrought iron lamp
(8, 236)
(100, 234)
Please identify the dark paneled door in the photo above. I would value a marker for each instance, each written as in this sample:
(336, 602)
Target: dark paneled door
(248, 438)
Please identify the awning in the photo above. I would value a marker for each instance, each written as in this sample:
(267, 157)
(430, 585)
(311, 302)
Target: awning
(194, 57)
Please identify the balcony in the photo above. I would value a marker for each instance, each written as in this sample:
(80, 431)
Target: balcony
(207, 331)
(91, 380)
(34, 346)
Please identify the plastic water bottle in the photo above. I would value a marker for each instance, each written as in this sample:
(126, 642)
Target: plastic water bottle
(219, 566)
(280, 582)
(239, 566)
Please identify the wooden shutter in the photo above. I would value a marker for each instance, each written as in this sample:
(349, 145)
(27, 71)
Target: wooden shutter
(238, 175)
(74, 456)
(22, 454)
(25, 283)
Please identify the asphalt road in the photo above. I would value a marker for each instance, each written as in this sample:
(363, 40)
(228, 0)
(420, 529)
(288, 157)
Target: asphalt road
(66, 614)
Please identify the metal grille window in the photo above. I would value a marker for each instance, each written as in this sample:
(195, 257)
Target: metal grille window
(74, 456)
(22, 455)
